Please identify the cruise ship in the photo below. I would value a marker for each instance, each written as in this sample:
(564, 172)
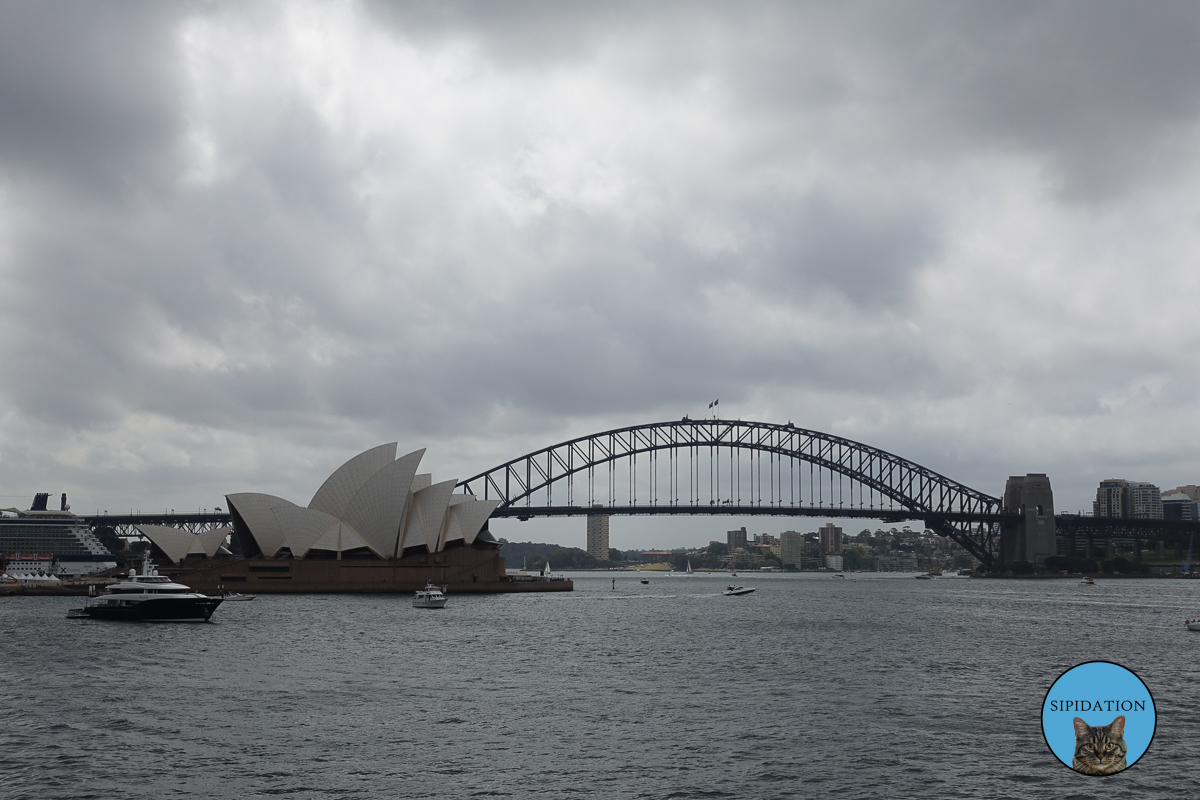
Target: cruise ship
(40, 540)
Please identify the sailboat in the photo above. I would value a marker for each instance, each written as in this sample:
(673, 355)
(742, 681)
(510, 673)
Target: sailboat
(689, 569)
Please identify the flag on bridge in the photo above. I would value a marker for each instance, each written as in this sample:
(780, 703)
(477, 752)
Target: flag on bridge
(713, 403)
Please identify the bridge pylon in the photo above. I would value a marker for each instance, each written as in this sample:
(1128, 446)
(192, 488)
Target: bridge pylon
(1030, 536)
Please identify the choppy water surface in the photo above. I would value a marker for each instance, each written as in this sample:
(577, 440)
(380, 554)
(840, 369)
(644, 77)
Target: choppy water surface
(876, 686)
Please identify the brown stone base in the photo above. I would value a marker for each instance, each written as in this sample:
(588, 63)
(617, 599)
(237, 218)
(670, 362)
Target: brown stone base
(462, 570)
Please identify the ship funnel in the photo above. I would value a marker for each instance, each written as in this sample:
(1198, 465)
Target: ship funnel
(63, 506)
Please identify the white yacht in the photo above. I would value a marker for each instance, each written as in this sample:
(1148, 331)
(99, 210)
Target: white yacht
(148, 597)
(431, 596)
(736, 590)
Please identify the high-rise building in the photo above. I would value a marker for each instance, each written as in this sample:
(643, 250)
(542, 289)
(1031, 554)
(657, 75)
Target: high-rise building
(1112, 498)
(790, 545)
(597, 535)
(1145, 501)
(737, 538)
(831, 539)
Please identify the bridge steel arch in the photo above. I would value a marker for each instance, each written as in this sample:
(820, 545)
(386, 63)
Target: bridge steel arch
(845, 479)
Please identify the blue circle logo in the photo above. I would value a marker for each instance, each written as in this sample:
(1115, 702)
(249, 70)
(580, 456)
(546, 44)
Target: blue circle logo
(1098, 718)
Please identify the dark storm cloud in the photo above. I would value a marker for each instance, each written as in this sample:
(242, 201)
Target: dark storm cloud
(239, 243)
(1099, 90)
(87, 90)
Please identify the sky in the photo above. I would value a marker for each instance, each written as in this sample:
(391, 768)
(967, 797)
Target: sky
(242, 242)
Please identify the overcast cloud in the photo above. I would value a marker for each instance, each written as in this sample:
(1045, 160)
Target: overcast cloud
(240, 243)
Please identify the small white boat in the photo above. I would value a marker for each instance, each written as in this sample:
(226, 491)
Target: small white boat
(689, 569)
(230, 597)
(736, 590)
(645, 580)
(430, 597)
(838, 575)
(1192, 624)
(1088, 582)
(924, 576)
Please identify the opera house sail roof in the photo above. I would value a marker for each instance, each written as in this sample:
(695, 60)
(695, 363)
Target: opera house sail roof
(374, 503)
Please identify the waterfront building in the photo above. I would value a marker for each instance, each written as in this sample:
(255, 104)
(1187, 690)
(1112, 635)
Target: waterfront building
(597, 535)
(1179, 506)
(830, 538)
(375, 525)
(791, 544)
(896, 561)
(373, 504)
(833, 562)
(656, 556)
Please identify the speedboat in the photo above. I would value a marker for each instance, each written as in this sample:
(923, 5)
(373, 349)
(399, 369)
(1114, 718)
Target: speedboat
(430, 597)
(229, 596)
(645, 580)
(924, 576)
(734, 590)
(148, 597)
(838, 575)
(1192, 624)
(1088, 581)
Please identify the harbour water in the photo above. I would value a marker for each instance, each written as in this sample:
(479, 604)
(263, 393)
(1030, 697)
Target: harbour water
(875, 686)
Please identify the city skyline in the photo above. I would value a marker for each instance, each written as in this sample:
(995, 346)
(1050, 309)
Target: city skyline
(240, 243)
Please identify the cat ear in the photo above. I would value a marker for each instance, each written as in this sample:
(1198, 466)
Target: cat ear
(1117, 726)
(1082, 729)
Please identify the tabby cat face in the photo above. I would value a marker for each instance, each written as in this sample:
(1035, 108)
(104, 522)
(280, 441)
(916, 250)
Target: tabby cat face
(1099, 750)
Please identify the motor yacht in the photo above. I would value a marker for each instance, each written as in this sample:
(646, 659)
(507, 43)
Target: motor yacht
(148, 597)
(1192, 624)
(736, 590)
(431, 596)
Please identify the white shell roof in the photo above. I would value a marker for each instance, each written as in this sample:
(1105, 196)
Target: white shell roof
(377, 509)
(255, 511)
(373, 500)
(339, 489)
(178, 543)
(175, 542)
(424, 524)
(470, 516)
(309, 529)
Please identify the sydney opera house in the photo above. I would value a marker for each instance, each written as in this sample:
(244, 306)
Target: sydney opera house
(376, 524)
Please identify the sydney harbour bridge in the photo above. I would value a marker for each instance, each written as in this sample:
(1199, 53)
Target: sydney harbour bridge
(742, 468)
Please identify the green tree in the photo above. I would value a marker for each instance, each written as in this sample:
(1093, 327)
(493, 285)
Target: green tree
(615, 555)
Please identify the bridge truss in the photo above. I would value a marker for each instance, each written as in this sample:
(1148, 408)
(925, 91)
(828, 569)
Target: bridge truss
(726, 467)
(123, 524)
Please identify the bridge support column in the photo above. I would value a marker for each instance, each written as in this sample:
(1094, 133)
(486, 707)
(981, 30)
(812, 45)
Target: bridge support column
(1109, 551)
(1162, 550)
(1091, 548)
(1031, 537)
